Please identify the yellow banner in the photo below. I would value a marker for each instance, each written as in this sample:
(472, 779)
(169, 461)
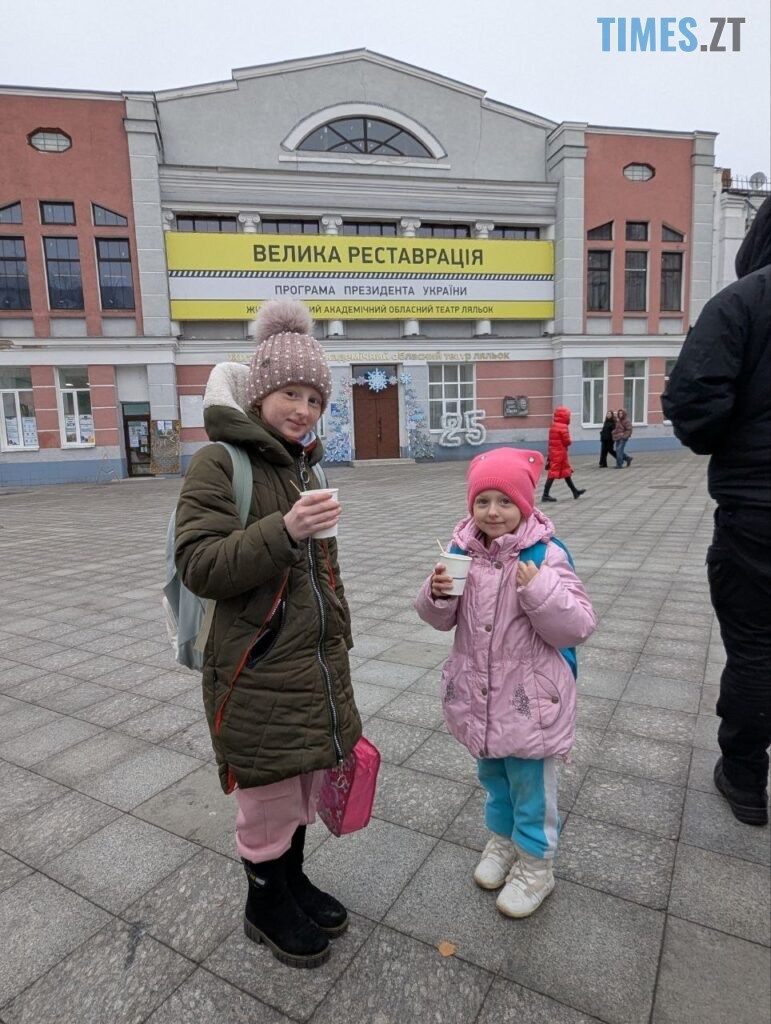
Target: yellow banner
(191, 309)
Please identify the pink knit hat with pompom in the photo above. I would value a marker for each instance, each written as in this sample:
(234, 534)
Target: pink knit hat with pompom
(287, 352)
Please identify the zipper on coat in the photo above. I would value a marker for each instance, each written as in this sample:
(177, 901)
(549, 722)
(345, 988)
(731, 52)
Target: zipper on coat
(336, 739)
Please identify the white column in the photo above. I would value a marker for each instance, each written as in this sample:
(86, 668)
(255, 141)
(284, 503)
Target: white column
(408, 227)
(482, 229)
(330, 225)
(249, 221)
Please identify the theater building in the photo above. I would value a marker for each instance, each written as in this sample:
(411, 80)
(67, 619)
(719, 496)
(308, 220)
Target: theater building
(470, 265)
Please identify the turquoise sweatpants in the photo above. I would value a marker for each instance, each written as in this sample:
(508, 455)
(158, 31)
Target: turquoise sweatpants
(522, 802)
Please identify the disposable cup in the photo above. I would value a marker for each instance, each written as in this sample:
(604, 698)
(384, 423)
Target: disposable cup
(332, 531)
(457, 566)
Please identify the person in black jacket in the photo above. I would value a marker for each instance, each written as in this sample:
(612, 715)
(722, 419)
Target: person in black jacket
(606, 439)
(719, 401)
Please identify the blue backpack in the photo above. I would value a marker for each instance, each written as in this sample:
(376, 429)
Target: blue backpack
(536, 554)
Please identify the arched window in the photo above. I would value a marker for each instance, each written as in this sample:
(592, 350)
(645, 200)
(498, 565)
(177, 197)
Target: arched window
(364, 135)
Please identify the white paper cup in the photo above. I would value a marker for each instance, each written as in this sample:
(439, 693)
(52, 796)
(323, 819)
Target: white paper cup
(332, 531)
(457, 567)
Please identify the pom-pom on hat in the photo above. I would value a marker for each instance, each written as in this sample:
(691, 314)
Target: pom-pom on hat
(287, 352)
(512, 471)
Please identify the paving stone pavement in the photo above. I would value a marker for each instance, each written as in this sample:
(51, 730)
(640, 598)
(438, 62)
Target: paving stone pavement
(120, 890)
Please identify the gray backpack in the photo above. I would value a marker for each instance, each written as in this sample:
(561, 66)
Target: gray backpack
(189, 618)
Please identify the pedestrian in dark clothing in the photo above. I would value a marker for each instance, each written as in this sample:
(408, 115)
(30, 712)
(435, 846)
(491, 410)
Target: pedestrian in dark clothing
(606, 439)
(719, 401)
(559, 467)
(621, 434)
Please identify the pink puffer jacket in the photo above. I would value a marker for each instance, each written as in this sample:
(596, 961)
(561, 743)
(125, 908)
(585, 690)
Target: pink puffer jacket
(506, 689)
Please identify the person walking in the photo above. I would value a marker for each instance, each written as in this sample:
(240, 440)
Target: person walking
(621, 434)
(559, 467)
(606, 439)
(719, 401)
(508, 691)
(276, 678)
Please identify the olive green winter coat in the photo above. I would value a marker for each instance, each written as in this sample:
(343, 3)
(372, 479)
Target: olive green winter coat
(284, 705)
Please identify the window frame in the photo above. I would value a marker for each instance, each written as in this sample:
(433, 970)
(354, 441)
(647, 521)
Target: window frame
(509, 233)
(17, 392)
(630, 280)
(678, 240)
(645, 378)
(445, 400)
(122, 220)
(435, 229)
(630, 237)
(590, 380)
(61, 391)
(671, 309)
(594, 270)
(363, 140)
(16, 259)
(207, 218)
(49, 131)
(369, 224)
(591, 235)
(642, 177)
(42, 203)
(62, 238)
(12, 207)
(303, 222)
(100, 261)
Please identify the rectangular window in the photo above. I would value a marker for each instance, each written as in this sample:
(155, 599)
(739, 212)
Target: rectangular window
(443, 231)
(77, 418)
(636, 282)
(671, 281)
(206, 223)
(104, 218)
(18, 427)
(598, 281)
(515, 233)
(603, 232)
(290, 227)
(57, 213)
(14, 282)
(116, 285)
(593, 392)
(635, 380)
(10, 214)
(65, 289)
(637, 231)
(450, 390)
(351, 227)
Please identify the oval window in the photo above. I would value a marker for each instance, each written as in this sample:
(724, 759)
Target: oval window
(49, 140)
(638, 172)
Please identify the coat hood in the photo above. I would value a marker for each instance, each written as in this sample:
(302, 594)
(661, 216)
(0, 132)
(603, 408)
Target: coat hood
(537, 527)
(755, 251)
(562, 414)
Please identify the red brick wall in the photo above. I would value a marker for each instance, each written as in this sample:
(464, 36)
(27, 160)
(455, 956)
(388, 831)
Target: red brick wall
(46, 411)
(533, 378)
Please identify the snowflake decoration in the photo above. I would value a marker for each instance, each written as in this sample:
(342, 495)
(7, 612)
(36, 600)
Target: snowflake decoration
(377, 380)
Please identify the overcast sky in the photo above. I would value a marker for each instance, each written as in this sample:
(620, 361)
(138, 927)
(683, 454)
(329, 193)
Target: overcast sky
(543, 56)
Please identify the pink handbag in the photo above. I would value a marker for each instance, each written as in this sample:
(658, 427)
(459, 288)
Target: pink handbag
(348, 792)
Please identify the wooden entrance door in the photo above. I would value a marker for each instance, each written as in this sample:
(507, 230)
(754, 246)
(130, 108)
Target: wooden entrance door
(375, 419)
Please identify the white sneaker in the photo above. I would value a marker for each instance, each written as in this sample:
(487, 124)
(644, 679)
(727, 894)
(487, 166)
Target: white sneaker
(497, 859)
(527, 885)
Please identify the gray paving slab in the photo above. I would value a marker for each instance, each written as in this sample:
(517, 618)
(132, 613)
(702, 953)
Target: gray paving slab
(507, 1003)
(649, 758)
(417, 800)
(46, 740)
(631, 801)
(11, 870)
(709, 824)
(394, 740)
(204, 998)
(49, 831)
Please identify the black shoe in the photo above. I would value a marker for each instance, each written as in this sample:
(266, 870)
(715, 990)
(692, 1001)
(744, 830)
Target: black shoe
(628, 460)
(327, 912)
(272, 916)
(578, 492)
(748, 807)
(548, 497)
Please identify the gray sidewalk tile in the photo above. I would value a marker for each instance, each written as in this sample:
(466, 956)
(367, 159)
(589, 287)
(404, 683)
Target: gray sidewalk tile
(507, 1003)
(116, 709)
(709, 978)
(468, 827)
(394, 740)
(370, 699)
(442, 755)
(705, 733)
(595, 682)
(204, 999)
(414, 709)
(47, 832)
(384, 673)
(90, 758)
(702, 769)
(724, 893)
(655, 691)
(11, 870)
(395, 979)
(594, 712)
(46, 741)
(40, 922)
(18, 717)
(416, 800)
(195, 741)
(118, 864)
(366, 646)
(638, 755)
(22, 791)
(75, 697)
(593, 951)
(120, 976)
(412, 653)
(617, 860)
(709, 823)
(159, 722)
(194, 909)
(657, 723)
(254, 969)
(442, 903)
(631, 801)
(367, 870)
(138, 777)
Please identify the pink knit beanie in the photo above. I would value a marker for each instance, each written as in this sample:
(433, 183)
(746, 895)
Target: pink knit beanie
(287, 352)
(512, 471)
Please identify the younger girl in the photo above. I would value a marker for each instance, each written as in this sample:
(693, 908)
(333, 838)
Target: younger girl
(509, 695)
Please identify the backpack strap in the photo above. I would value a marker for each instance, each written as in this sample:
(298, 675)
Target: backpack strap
(320, 475)
(243, 479)
(536, 553)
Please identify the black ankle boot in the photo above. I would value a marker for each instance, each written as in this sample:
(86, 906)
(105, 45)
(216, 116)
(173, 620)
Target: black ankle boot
(327, 912)
(272, 916)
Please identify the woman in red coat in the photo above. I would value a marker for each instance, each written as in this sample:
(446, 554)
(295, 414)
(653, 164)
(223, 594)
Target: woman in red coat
(559, 464)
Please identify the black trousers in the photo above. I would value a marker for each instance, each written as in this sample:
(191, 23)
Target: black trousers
(606, 449)
(739, 572)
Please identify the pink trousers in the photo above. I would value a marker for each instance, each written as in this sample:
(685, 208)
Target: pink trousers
(269, 815)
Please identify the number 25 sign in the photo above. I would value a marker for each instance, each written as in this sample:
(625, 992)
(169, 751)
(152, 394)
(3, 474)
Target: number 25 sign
(468, 427)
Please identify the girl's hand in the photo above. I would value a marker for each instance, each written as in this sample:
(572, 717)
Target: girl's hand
(441, 583)
(313, 512)
(526, 571)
